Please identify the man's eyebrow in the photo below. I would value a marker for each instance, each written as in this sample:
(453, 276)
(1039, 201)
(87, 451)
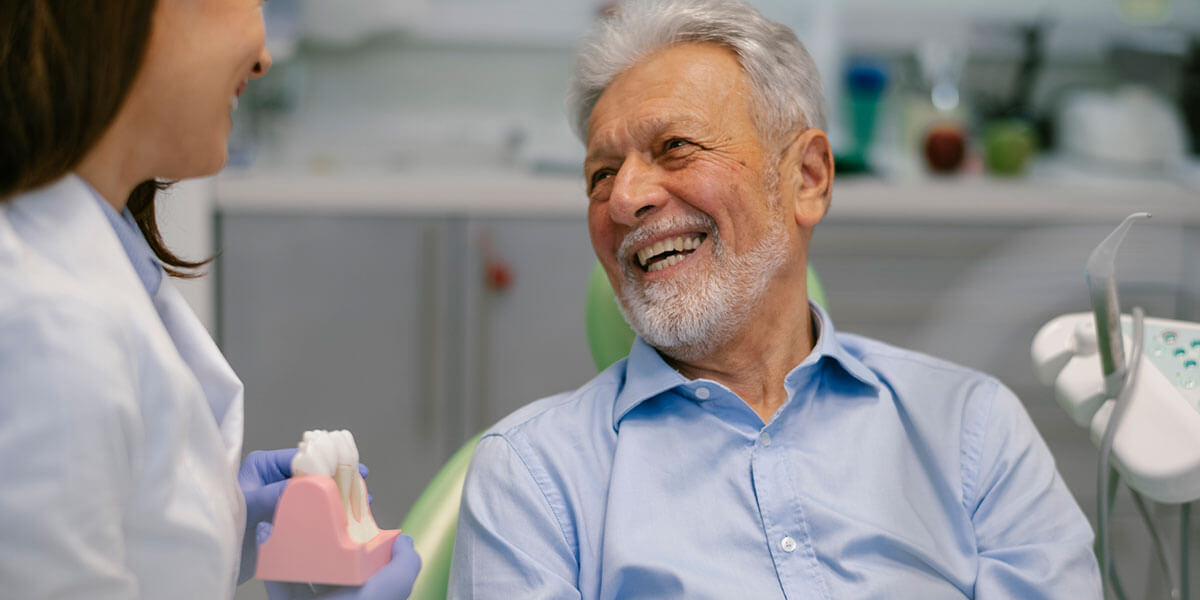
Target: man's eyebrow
(648, 129)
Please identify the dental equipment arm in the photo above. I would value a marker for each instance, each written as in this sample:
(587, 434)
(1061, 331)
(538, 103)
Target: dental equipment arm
(1102, 284)
(1104, 471)
(1118, 381)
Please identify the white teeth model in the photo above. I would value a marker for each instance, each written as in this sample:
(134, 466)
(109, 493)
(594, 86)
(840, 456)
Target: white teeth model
(677, 244)
(334, 454)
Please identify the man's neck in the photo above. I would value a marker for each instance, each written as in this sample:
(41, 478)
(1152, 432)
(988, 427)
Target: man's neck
(755, 362)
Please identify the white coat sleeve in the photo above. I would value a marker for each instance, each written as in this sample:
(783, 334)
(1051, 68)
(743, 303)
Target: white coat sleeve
(69, 427)
(1033, 540)
(509, 542)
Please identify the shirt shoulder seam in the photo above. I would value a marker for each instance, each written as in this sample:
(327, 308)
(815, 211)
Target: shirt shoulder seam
(925, 360)
(973, 437)
(579, 395)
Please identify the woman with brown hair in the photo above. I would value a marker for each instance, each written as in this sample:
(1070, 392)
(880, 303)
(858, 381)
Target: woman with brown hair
(120, 421)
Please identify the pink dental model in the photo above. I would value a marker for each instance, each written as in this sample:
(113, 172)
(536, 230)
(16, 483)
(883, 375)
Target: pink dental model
(323, 530)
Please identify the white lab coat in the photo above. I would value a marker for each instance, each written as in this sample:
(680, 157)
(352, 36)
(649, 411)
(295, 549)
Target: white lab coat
(120, 421)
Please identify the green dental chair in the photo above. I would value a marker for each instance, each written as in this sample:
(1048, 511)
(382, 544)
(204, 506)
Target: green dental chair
(433, 520)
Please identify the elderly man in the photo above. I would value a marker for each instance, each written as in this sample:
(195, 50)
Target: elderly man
(745, 449)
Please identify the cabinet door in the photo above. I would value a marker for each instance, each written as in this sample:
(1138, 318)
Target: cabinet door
(525, 340)
(332, 322)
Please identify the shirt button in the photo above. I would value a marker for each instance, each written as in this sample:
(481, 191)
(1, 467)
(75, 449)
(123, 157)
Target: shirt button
(765, 439)
(788, 544)
(702, 393)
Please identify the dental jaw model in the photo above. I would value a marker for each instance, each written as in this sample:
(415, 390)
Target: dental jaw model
(333, 454)
(323, 530)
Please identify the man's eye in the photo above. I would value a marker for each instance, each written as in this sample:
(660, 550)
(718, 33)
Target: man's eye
(674, 143)
(600, 175)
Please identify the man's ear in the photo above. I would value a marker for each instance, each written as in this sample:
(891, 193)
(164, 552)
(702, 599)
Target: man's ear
(806, 176)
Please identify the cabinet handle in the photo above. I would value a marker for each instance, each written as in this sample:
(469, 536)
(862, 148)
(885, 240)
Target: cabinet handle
(498, 274)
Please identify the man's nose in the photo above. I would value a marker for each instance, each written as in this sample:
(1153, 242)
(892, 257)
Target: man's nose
(636, 193)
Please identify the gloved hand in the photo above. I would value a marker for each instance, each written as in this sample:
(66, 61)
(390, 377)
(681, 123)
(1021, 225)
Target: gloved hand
(262, 478)
(392, 582)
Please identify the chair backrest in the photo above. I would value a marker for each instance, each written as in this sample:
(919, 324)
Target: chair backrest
(433, 520)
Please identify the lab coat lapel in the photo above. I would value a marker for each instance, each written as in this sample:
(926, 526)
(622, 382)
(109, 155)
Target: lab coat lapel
(220, 384)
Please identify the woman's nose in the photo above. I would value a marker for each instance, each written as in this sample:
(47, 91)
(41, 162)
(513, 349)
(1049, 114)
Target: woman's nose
(262, 66)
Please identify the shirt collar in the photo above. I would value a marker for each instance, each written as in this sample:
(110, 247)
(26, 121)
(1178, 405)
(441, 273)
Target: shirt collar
(647, 375)
(144, 262)
(828, 346)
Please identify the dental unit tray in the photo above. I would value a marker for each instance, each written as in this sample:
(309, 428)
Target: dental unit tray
(1156, 447)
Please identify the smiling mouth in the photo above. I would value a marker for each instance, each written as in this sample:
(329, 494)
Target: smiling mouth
(668, 252)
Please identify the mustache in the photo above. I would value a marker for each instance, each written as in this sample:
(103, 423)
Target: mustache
(637, 238)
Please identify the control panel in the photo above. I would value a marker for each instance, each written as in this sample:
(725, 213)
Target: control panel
(1176, 352)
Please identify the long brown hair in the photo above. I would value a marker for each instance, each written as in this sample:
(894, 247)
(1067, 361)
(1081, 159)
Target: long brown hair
(65, 69)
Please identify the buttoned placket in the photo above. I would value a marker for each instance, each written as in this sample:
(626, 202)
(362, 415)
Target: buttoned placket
(782, 515)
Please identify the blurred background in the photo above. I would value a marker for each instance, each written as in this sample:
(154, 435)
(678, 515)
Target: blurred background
(401, 234)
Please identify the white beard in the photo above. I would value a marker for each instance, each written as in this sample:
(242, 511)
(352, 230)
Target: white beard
(691, 314)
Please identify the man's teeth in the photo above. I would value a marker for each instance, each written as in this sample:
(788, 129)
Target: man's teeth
(669, 261)
(235, 104)
(680, 245)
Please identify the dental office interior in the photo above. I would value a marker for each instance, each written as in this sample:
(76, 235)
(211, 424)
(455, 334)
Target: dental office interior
(402, 248)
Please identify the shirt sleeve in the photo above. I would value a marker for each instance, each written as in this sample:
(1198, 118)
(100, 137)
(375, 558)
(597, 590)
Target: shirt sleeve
(68, 416)
(1033, 540)
(509, 542)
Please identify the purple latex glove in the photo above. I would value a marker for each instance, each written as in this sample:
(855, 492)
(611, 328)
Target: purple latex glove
(262, 478)
(392, 582)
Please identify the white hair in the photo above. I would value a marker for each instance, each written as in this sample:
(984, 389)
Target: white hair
(784, 79)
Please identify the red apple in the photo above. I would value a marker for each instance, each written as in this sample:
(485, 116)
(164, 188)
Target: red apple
(945, 147)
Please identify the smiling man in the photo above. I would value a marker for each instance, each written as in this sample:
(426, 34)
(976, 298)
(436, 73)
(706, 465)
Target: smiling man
(745, 449)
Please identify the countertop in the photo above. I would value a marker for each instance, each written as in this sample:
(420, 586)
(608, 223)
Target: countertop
(1057, 197)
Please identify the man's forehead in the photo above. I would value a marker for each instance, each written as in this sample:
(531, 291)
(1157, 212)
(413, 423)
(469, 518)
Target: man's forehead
(683, 87)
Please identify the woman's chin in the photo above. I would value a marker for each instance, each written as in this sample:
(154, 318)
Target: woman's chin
(199, 164)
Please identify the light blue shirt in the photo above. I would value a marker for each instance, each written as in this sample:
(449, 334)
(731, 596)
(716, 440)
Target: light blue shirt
(149, 269)
(886, 474)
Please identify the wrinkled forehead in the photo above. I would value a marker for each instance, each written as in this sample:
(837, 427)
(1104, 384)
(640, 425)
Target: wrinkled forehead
(678, 87)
